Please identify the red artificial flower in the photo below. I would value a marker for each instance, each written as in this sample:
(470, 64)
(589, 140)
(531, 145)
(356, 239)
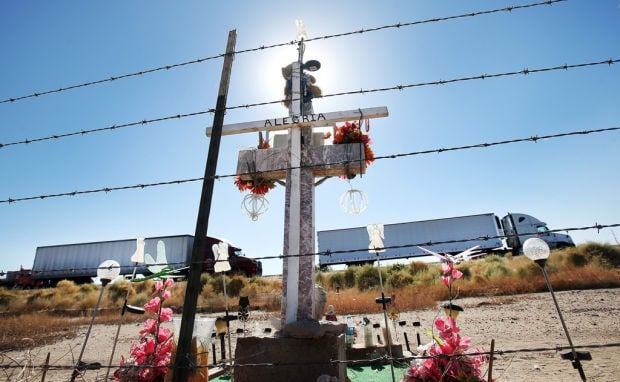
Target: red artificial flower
(350, 132)
(260, 187)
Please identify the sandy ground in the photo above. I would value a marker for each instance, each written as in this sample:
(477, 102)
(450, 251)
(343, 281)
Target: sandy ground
(526, 330)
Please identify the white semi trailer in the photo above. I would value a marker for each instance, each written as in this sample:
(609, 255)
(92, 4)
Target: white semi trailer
(448, 235)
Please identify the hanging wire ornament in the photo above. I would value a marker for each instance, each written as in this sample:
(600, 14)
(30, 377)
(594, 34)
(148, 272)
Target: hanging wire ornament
(254, 205)
(353, 201)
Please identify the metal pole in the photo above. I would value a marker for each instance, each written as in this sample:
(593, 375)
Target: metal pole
(575, 360)
(120, 321)
(227, 318)
(76, 370)
(182, 360)
(388, 339)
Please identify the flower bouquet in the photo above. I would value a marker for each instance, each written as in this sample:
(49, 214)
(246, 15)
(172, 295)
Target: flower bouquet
(350, 132)
(150, 357)
(447, 358)
(258, 185)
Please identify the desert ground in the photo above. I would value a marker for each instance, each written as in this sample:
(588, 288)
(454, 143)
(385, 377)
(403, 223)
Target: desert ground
(525, 328)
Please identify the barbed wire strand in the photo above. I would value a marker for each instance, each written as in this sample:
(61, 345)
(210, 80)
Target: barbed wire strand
(350, 162)
(597, 226)
(360, 91)
(293, 42)
(353, 362)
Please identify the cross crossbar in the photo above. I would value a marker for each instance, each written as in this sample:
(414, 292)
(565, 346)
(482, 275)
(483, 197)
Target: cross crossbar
(314, 120)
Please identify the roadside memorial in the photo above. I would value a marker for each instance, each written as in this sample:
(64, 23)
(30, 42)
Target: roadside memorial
(296, 166)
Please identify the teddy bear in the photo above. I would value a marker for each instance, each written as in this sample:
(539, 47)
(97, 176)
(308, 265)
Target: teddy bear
(308, 90)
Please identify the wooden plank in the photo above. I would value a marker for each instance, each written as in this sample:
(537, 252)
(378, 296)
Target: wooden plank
(333, 160)
(182, 364)
(314, 120)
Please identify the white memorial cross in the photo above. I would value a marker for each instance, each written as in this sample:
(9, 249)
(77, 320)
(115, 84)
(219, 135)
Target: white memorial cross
(299, 163)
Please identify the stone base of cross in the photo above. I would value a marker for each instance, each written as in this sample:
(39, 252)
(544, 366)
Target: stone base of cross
(299, 164)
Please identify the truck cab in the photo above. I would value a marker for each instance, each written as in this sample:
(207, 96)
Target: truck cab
(520, 227)
(239, 263)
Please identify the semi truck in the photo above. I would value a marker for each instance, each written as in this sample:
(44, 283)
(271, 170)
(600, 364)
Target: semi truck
(448, 235)
(79, 262)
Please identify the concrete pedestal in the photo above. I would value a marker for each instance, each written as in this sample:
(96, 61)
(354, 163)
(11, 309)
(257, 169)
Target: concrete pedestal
(289, 359)
(363, 355)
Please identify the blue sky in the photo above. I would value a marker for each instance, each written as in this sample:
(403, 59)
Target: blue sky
(566, 182)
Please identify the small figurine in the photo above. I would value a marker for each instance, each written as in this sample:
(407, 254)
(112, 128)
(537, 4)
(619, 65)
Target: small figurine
(375, 233)
(330, 315)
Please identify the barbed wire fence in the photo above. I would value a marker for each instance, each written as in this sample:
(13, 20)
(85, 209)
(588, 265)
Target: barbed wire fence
(385, 359)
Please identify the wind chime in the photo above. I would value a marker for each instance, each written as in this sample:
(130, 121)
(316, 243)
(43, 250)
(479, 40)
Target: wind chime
(244, 311)
(354, 201)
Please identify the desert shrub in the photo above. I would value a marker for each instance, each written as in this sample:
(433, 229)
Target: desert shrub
(207, 291)
(527, 270)
(496, 269)
(575, 259)
(394, 268)
(320, 278)
(367, 277)
(63, 302)
(335, 279)
(427, 277)
(250, 290)
(139, 299)
(400, 279)
(234, 285)
(206, 278)
(66, 287)
(6, 296)
(143, 286)
(275, 285)
(88, 288)
(41, 295)
(117, 291)
(88, 301)
(417, 266)
(258, 281)
(350, 276)
(263, 293)
(607, 254)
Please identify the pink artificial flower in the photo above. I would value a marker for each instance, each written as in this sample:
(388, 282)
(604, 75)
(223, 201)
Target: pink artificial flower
(446, 268)
(446, 280)
(150, 325)
(153, 305)
(165, 315)
(168, 283)
(456, 274)
(163, 334)
(137, 352)
(158, 286)
(449, 273)
(149, 346)
(166, 295)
